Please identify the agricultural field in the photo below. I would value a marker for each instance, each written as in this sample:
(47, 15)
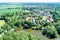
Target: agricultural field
(27, 21)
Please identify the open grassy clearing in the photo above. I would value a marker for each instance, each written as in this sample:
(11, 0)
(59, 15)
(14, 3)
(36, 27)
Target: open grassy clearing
(2, 22)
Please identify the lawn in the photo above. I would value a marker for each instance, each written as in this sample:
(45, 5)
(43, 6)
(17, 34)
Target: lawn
(2, 22)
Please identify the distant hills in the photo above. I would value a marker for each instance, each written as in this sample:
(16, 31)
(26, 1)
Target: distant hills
(28, 3)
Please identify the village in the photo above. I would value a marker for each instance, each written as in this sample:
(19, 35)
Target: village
(46, 17)
(29, 22)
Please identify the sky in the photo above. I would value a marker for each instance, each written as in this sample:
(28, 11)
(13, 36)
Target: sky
(29, 0)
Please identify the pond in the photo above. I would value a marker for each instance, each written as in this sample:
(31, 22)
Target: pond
(37, 33)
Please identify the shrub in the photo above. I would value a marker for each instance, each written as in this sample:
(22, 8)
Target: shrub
(50, 32)
(1, 30)
(28, 24)
(58, 29)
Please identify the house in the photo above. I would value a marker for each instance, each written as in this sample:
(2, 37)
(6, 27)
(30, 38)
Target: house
(28, 18)
(50, 19)
(46, 19)
(34, 20)
(43, 20)
(31, 18)
(41, 13)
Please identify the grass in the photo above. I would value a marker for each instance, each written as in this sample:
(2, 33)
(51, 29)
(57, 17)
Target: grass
(2, 22)
(8, 10)
(3, 9)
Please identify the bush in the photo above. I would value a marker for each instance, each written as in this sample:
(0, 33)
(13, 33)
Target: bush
(50, 32)
(6, 27)
(1, 30)
(36, 27)
(28, 24)
(44, 32)
(58, 29)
